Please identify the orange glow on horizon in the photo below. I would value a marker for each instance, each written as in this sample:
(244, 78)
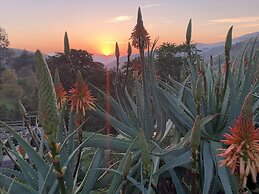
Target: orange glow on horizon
(106, 50)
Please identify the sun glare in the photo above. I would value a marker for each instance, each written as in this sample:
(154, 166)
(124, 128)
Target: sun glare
(106, 51)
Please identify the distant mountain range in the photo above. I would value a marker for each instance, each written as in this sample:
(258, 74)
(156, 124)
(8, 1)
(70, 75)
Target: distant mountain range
(214, 49)
(217, 49)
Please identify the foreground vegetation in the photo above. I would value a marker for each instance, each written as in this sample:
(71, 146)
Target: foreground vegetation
(195, 136)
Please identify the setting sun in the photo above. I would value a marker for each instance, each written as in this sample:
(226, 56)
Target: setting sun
(107, 50)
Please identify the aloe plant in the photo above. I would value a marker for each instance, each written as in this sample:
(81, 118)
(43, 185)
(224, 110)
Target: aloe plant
(221, 96)
(51, 167)
(165, 131)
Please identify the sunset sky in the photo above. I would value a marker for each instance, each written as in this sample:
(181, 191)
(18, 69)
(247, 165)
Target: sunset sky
(96, 25)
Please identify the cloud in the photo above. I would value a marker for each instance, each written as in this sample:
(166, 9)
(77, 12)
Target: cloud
(236, 20)
(121, 18)
(151, 5)
(249, 25)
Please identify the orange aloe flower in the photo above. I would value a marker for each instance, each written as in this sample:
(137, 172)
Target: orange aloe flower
(140, 37)
(61, 95)
(60, 91)
(242, 153)
(80, 96)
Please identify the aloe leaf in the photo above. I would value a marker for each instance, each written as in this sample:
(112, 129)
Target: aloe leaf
(208, 167)
(174, 162)
(71, 127)
(40, 164)
(116, 107)
(107, 142)
(132, 103)
(105, 179)
(129, 178)
(13, 186)
(207, 119)
(173, 97)
(91, 175)
(241, 71)
(176, 181)
(124, 166)
(188, 97)
(159, 115)
(145, 153)
(29, 174)
(139, 102)
(210, 91)
(178, 116)
(121, 127)
(233, 107)
(43, 186)
(10, 172)
(221, 171)
(169, 125)
(181, 91)
(247, 84)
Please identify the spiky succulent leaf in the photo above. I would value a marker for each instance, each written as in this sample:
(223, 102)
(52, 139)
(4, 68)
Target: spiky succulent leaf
(196, 134)
(22, 109)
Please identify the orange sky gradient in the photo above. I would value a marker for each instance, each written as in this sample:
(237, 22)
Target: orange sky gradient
(96, 25)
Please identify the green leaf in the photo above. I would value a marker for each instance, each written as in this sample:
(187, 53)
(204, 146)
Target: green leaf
(10, 172)
(107, 142)
(132, 103)
(44, 185)
(12, 186)
(249, 75)
(118, 109)
(125, 163)
(181, 120)
(173, 162)
(221, 171)
(145, 153)
(39, 163)
(208, 167)
(92, 174)
(119, 126)
(29, 174)
(129, 178)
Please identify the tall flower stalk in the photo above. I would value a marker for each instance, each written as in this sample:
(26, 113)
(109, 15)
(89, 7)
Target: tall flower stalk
(49, 117)
(140, 40)
(128, 64)
(242, 152)
(81, 101)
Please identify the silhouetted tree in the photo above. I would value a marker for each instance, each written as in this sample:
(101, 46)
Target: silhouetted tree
(171, 58)
(4, 44)
(92, 72)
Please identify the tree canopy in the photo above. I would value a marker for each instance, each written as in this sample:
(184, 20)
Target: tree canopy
(171, 58)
